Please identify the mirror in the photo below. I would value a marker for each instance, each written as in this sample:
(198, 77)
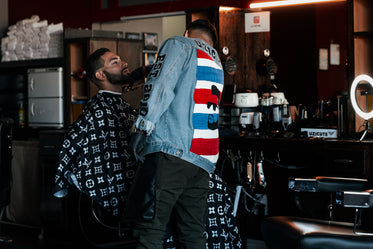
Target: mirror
(297, 34)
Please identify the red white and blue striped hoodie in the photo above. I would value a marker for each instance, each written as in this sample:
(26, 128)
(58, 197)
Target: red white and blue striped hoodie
(180, 105)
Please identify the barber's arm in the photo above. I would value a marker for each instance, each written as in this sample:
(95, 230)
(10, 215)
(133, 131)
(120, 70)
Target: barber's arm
(136, 78)
(158, 92)
(140, 73)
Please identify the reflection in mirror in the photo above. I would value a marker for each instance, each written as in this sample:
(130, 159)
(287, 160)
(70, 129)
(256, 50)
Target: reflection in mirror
(297, 33)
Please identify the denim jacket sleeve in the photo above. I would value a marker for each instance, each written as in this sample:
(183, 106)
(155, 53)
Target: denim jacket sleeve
(158, 92)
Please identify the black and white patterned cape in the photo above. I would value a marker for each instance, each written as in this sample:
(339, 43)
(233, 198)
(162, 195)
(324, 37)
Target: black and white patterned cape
(94, 155)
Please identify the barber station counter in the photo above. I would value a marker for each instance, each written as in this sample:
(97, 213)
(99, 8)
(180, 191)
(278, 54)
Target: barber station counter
(300, 157)
(332, 157)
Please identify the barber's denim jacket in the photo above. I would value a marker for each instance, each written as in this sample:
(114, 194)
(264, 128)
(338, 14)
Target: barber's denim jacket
(182, 92)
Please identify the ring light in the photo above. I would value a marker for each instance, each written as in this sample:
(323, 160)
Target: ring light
(361, 113)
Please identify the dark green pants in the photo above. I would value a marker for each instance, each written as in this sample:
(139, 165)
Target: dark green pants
(182, 188)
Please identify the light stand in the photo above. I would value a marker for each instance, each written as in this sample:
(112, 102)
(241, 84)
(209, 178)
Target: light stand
(367, 128)
(365, 115)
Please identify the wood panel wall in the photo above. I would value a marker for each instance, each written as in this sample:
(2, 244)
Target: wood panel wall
(246, 48)
(255, 44)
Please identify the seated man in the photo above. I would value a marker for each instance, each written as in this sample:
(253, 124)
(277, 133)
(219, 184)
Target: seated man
(94, 156)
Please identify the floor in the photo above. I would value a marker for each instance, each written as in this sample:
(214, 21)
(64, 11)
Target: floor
(14, 237)
(255, 244)
(28, 239)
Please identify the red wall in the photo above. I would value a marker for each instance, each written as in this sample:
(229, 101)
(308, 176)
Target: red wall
(81, 13)
(114, 13)
(73, 14)
(329, 29)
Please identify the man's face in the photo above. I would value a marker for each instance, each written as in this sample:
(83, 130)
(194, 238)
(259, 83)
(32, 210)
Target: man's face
(115, 69)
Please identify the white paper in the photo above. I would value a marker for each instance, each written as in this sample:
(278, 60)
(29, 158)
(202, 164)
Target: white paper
(323, 59)
(334, 54)
(257, 22)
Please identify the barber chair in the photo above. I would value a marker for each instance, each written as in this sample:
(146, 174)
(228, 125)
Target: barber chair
(100, 228)
(280, 232)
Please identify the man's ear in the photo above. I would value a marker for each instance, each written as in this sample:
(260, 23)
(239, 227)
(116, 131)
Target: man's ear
(186, 33)
(100, 75)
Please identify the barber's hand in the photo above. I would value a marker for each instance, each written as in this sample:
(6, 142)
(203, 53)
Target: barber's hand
(137, 145)
(137, 74)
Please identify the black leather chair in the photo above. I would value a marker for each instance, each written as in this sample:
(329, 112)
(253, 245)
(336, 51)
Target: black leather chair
(100, 228)
(280, 232)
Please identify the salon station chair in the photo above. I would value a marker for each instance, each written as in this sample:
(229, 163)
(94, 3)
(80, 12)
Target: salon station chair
(100, 228)
(285, 232)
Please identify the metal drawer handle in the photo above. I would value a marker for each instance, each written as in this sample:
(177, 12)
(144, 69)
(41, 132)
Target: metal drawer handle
(32, 109)
(344, 161)
(32, 84)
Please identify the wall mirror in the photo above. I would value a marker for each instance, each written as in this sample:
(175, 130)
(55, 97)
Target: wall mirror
(297, 34)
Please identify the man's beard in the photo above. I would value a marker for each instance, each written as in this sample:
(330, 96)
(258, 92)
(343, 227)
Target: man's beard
(119, 79)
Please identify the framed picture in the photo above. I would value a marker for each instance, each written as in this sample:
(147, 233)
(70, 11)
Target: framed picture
(149, 58)
(133, 36)
(150, 41)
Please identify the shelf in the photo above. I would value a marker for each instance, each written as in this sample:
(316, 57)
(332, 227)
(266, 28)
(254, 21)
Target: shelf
(48, 62)
(79, 98)
(364, 34)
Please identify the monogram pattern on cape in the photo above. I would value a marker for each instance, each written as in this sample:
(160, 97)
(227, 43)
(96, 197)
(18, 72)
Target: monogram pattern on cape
(95, 155)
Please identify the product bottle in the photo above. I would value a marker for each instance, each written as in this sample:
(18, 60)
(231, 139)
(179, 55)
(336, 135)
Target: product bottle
(21, 115)
(286, 117)
(277, 116)
(267, 114)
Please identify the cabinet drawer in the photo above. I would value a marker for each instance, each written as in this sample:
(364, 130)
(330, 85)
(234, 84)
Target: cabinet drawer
(344, 163)
(45, 82)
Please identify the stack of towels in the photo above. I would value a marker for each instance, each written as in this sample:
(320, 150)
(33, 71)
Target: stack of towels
(32, 38)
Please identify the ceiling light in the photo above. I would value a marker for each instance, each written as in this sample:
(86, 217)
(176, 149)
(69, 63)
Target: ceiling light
(156, 15)
(288, 2)
(223, 8)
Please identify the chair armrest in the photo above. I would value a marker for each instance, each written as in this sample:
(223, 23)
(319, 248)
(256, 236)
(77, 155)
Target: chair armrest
(302, 184)
(355, 199)
(327, 184)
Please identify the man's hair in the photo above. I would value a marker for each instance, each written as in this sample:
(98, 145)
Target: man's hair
(206, 27)
(95, 62)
